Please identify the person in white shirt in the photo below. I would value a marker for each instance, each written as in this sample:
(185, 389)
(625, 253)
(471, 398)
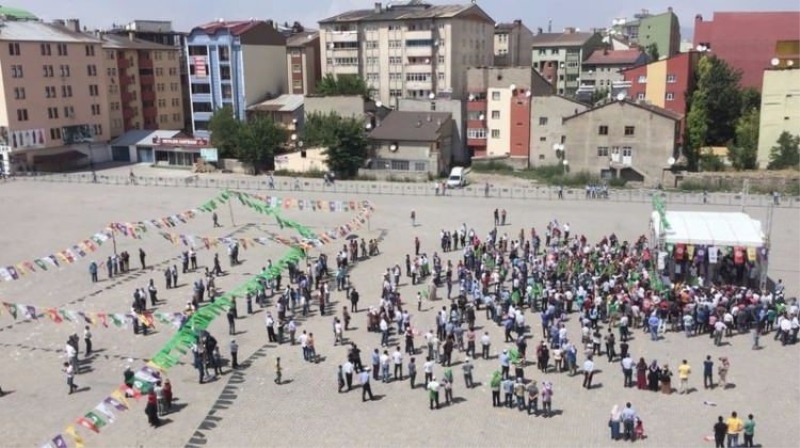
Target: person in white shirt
(427, 369)
(397, 361)
(627, 370)
(588, 372)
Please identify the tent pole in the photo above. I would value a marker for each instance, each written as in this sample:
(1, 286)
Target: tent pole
(765, 265)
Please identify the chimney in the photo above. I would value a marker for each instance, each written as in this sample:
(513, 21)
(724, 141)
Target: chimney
(518, 22)
(569, 30)
(549, 25)
(73, 25)
(131, 36)
(669, 9)
(378, 8)
(538, 30)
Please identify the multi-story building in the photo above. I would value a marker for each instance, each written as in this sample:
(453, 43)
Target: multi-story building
(547, 126)
(408, 50)
(667, 83)
(162, 32)
(603, 68)
(233, 64)
(559, 56)
(53, 101)
(302, 61)
(746, 40)
(662, 30)
(780, 107)
(144, 84)
(621, 139)
(499, 111)
(512, 44)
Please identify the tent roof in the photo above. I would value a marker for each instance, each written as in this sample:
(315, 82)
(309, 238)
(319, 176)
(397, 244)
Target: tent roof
(711, 228)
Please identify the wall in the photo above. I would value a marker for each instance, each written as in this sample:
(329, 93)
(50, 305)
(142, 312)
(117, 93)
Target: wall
(169, 63)
(456, 110)
(657, 88)
(652, 144)
(498, 145)
(346, 106)
(780, 109)
(519, 122)
(116, 123)
(554, 108)
(264, 72)
(315, 160)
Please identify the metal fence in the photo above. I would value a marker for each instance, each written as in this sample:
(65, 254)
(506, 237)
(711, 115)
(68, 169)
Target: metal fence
(413, 189)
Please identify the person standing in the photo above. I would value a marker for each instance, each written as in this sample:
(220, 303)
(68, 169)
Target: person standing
(340, 378)
(234, 348)
(93, 271)
(588, 372)
(397, 362)
(683, 374)
(70, 372)
(231, 322)
(412, 372)
(627, 370)
(722, 371)
(533, 398)
(347, 369)
(749, 431)
(708, 373)
(87, 340)
(215, 218)
(433, 393)
(366, 389)
(278, 371)
(720, 429)
(142, 257)
(547, 398)
(735, 427)
(467, 368)
(628, 416)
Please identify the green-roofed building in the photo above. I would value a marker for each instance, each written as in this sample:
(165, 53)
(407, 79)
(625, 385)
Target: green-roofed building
(16, 13)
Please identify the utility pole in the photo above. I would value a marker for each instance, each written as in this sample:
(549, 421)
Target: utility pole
(762, 285)
(114, 238)
(230, 210)
(745, 192)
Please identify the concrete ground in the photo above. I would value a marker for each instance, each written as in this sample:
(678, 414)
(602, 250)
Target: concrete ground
(246, 409)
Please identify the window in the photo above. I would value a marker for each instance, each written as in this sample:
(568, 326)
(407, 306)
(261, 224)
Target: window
(418, 77)
(46, 50)
(66, 91)
(94, 90)
(50, 92)
(395, 93)
(495, 133)
(225, 73)
(346, 61)
(440, 59)
(602, 130)
(542, 139)
(173, 86)
(495, 96)
(627, 151)
(62, 49)
(395, 60)
(22, 114)
(227, 92)
(203, 107)
(297, 85)
(672, 78)
(602, 151)
(224, 53)
(400, 165)
(91, 70)
(642, 79)
(477, 133)
(420, 166)
(95, 109)
(495, 115)
(372, 77)
(64, 69)
(372, 44)
(440, 76)
(19, 93)
(90, 50)
(670, 96)
(55, 133)
(16, 71)
(640, 96)
(395, 43)
(296, 68)
(13, 49)
(372, 60)
(97, 129)
(52, 113)
(159, 71)
(395, 76)
(629, 131)
(542, 121)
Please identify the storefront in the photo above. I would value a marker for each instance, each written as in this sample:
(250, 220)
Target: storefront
(182, 152)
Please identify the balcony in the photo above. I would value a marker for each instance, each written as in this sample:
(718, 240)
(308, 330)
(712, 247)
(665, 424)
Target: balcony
(145, 63)
(476, 124)
(148, 95)
(418, 35)
(476, 106)
(419, 85)
(126, 97)
(149, 112)
(481, 142)
(418, 68)
(123, 63)
(419, 51)
(147, 80)
(128, 113)
(341, 36)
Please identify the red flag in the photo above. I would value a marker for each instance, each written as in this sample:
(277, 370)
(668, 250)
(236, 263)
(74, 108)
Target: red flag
(53, 313)
(88, 424)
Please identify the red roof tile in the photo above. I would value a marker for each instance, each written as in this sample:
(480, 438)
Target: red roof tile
(614, 57)
(236, 27)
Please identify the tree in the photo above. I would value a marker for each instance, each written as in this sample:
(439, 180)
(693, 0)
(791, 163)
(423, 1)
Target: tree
(318, 129)
(600, 94)
(786, 155)
(652, 51)
(714, 107)
(331, 85)
(751, 99)
(224, 128)
(258, 141)
(743, 154)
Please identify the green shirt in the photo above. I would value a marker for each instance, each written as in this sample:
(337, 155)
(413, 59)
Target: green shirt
(749, 427)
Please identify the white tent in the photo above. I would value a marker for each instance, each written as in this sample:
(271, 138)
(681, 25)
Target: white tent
(709, 228)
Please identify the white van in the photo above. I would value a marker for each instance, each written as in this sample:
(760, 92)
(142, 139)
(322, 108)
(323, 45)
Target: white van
(458, 178)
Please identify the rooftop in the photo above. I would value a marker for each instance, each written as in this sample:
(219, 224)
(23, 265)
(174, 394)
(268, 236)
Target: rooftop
(565, 39)
(302, 38)
(17, 13)
(36, 31)
(405, 11)
(411, 126)
(614, 57)
(505, 27)
(641, 105)
(283, 103)
(142, 137)
(123, 41)
(235, 27)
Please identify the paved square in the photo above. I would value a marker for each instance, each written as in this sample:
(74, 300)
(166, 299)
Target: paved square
(247, 409)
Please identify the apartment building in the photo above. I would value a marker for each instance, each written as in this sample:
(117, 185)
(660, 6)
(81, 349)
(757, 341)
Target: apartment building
(512, 44)
(144, 84)
(603, 68)
(408, 50)
(746, 40)
(302, 61)
(162, 32)
(559, 57)
(646, 29)
(780, 107)
(53, 101)
(233, 64)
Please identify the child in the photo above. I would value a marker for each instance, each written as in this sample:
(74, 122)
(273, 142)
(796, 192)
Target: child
(639, 430)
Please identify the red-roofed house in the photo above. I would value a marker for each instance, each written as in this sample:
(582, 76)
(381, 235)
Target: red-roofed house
(603, 68)
(746, 40)
(233, 64)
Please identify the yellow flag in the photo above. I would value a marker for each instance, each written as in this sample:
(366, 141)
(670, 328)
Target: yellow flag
(751, 253)
(70, 430)
(119, 395)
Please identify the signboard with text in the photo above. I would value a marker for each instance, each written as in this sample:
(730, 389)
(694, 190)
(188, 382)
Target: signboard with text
(181, 141)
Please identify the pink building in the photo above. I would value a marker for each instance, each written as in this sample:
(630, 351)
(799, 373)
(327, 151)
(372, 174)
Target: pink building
(53, 98)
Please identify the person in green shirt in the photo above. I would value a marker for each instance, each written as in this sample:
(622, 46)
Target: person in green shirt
(749, 430)
(497, 378)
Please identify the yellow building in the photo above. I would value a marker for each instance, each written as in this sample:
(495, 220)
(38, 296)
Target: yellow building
(780, 108)
(144, 84)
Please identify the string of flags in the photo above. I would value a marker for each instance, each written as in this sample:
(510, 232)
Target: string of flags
(106, 412)
(84, 248)
(104, 319)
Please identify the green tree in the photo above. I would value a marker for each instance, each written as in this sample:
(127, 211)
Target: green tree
(714, 107)
(751, 99)
(743, 154)
(331, 85)
(600, 94)
(319, 129)
(224, 128)
(786, 155)
(258, 141)
(652, 51)
(348, 148)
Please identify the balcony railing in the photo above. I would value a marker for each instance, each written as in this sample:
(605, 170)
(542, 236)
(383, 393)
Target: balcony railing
(148, 95)
(123, 63)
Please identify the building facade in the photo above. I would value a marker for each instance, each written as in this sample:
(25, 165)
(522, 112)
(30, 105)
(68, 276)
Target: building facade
(547, 126)
(559, 57)
(622, 139)
(144, 84)
(53, 100)
(780, 108)
(451, 106)
(499, 108)
(512, 44)
(412, 143)
(302, 62)
(746, 40)
(233, 64)
(408, 50)
(162, 32)
(667, 83)
(604, 68)
(662, 30)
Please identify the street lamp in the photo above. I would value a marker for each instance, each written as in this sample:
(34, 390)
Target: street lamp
(561, 154)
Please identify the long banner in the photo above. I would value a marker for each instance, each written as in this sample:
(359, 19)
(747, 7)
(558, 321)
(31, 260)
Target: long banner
(94, 318)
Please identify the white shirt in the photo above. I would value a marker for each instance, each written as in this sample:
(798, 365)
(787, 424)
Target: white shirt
(397, 357)
(588, 366)
(303, 340)
(70, 350)
(427, 367)
(384, 360)
(485, 339)
(627, 363)
(347, 367)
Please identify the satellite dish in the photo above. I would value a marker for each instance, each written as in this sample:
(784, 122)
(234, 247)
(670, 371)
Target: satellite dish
(528, 94)
(671, 161)
(427, 61)
(432, 95)
(620, 96)
(481, 117)
(775, 62)
(378, 104)
(393, 147)
(790, 63)
(471, 97)
(513, 87)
